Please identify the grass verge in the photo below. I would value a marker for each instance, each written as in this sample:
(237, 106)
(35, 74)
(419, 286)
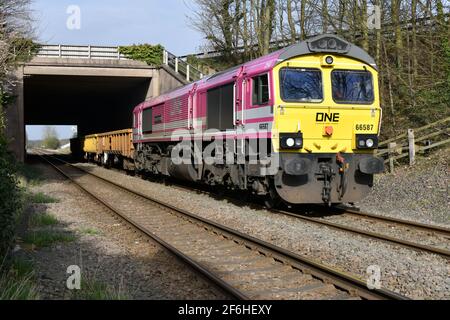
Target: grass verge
(43, 220)
(46, 238)
(17, 281)
(90, 231)
(92, 289)
(29, 175)
(41, 198)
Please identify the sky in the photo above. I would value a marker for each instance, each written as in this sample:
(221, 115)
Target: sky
(119, 22)
(36, 132)
(112, 23)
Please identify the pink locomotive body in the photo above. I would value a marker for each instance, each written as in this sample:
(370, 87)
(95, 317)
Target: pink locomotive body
(187, 107)
(299, 125)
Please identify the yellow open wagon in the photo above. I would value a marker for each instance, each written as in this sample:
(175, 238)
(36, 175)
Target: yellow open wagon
(110, 148)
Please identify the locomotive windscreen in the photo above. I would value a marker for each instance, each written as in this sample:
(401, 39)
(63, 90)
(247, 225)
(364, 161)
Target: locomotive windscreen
(301, 85)
(352, 86)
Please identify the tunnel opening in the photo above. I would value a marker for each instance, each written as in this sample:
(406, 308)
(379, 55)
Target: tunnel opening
(38, 136)
(93, 104)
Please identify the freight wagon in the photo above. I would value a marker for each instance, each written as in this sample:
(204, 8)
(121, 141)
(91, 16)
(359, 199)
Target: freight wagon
(110, 148)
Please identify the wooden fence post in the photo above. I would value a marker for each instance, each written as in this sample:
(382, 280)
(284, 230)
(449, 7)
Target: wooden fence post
(412, 147)
(392, 146)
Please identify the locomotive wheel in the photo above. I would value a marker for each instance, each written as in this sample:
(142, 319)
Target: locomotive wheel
(220, 191)
(165, 181)
(271, 203)
(272, 200)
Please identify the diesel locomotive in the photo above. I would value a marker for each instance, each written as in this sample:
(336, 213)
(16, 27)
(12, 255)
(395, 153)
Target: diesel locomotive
(300, 125)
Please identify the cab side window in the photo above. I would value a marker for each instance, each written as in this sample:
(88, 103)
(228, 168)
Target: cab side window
(260, 90)
(147, 120)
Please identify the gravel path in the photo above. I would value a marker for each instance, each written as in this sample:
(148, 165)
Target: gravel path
(417, 275)
(420, 193)
(107, 251)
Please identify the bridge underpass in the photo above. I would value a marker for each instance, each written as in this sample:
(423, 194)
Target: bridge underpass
(96, 93)
(94, 104)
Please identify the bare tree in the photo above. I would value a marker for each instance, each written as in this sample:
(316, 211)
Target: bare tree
(15, 31)
(412, 48)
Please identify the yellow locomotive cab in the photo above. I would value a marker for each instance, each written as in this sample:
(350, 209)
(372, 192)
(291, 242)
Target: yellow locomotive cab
(327, 125)
(327, 118)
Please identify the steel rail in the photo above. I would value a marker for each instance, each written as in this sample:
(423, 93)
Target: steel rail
(222, 285)
(340, 279)
(412, 245)
(416, 246)
(408, 223)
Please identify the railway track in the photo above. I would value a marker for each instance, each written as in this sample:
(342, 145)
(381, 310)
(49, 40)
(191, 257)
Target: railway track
(434, 239)
(426, 238)
(437, 236)
(242, 266)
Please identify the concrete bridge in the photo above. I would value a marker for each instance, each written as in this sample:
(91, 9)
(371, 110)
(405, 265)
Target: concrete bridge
(95, 88)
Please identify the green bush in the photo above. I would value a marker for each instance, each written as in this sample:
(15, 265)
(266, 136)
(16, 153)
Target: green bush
(152, 55)
(51, 140)
(51, 143)
(10, 196)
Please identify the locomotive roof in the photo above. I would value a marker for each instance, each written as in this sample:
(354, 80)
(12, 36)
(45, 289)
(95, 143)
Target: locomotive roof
(325, 43)
(318, 44)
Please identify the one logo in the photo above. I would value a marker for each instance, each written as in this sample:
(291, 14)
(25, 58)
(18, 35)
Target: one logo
(327, 117)
(74, 20)
(374, 19)
(74, 280)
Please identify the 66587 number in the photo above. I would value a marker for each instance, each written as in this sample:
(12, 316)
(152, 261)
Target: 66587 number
(364, 127)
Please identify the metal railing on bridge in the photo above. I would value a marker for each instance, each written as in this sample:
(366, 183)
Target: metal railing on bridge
(179, 65)
(83, 52)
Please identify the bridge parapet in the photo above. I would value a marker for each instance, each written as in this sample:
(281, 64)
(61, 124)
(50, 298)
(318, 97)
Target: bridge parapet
(179, 65)
(78, 52)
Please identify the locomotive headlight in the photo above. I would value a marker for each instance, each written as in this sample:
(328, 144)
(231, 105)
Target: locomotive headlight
(366, 141)
(329, 60)
(291, 140)
(332, 43)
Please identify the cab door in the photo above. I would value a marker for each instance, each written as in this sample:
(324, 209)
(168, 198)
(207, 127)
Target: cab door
(239, 115)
